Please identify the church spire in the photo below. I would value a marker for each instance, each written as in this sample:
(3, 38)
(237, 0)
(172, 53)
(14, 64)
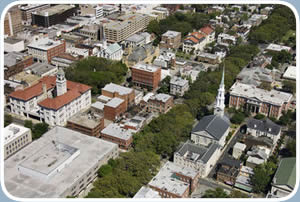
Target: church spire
(220, 99)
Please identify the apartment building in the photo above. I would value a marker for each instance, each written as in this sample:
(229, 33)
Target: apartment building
(170, 39)
(146, 76)
(15, 138)
(178, 86)
(114, 108)
(160, 103)
(127, 25)
(13, 21)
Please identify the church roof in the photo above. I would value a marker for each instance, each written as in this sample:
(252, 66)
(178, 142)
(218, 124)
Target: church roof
(214, 125)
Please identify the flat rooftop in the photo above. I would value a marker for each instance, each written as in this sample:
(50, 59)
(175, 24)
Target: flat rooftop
(179, 81)
(92, 150)
(115, 130)
(40, 68)
(13, 58)
(249, 91)
(145, 67)
(44, 44)
(85, 119)
(13, 131)
(55, 10)
(12, 40)
(171, 34)
(111, 87)
(161, 97)
(114, 102)
(167, 180)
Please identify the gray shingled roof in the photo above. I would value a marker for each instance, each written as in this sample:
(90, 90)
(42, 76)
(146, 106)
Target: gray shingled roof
(214, 125)
(264, 126)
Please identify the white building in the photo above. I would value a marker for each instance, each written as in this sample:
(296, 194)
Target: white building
(208, 138)
(93, 10)
(277, 48)
(165, 60)
(13, 45)
(61, 163)
(52, 100)
(78, 51)
(113, 51)
(290, 73)
(15, 138)
(238, 150)
(226, 39)
(178, 86)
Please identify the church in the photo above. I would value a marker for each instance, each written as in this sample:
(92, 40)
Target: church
(52, 100)
(208, 137)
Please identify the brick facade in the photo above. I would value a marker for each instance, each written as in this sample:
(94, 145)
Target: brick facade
(87, 130)
(112, 113)
(146, 79)
(123, 144)
(128, 98)
(154, 105)
(18, 67)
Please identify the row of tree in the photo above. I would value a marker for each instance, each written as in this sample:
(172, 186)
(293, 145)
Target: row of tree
(37, 130)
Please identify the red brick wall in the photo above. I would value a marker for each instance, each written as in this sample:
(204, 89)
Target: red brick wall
(110, 113)
(146, 78)
(56, 51)
(122, 143)
(128, 98)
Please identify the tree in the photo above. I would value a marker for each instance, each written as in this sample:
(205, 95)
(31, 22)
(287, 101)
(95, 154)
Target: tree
(39, 129)
(238, 118)
(259, 116)
(7, 119)
(104, 170)
(262, 176)
(28, 124)
(291, 147)
(237, 194)
(217, 193)
(289, 86)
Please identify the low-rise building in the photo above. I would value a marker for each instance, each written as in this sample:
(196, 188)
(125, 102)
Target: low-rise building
(226, 39)
(165, 60)
(15, 138)
(146, 76)
(264, 128)
(117, 134)
(238, 150)
(277, 48)
(160, 103)
(284, 180)
(64, 60)
(290, 73)
(243, 180)
(112, 90)
(114, 109)
(255, 76)
(178, 86)
(113, 52)
(174, 181)
(170, 39)
(228, 171)
(255, 100)
(208, 58)
(147, 192)
(41, 69)
(87, 123)
(195, 41)
(15, 63)
(13, 45)
(257, 155)
(43, 50)
(61, 163)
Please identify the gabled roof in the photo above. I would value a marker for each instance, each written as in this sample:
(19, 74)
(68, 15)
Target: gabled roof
(286, 173)
(214, 125)
(207, 30)
(265, 125)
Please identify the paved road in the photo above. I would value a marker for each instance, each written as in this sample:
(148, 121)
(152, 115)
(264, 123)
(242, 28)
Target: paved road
(224, 154)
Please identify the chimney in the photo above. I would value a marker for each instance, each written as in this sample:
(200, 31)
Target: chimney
(45, 90)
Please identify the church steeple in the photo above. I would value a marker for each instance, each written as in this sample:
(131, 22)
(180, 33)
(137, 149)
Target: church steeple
(220, 99)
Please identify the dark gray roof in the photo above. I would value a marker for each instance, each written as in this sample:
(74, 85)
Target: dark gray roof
(204, 153)
(214, 125)
(264, 126)
(231, 162)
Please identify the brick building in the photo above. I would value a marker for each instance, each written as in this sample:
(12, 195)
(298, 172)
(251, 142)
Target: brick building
(146, 76)
(113, 90)
(86, 123)
(15, 63)
(170, 39)
(161, 103)
(256, 100)
(45, 49)
(228, 171)
(174, 181)
(114, 109)
(117, 134)
(13, 21)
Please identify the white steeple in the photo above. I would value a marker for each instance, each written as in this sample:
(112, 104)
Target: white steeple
(220, 99)
(61, 83)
